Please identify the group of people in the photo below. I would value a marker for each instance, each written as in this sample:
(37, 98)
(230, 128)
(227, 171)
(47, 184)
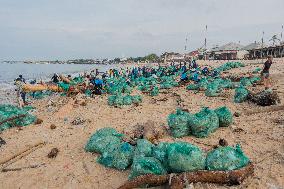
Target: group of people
(95, 80)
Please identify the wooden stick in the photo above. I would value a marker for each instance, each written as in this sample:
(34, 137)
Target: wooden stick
(21, 168)
(153, 180)
(8, 161)
(234, 177)
(177, 182)
(12, 118)
(269, 109)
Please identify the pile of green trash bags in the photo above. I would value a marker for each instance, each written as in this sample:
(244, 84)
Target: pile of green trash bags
(229, 65)
(64, 86)
(247, 81)
(241, 94)
(120, 100)
(168, 82)
(8, 111)
(161, 159)
(257, 70)
(212, 86)
(201, 124)
(114, 152)
(40, 94)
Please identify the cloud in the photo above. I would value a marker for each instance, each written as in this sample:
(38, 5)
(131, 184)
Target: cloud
(55, 29)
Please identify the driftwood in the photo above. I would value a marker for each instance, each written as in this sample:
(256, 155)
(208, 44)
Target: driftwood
(234, 177)
(12, 118)
(8, 161)
(268, 109)
(21, 168)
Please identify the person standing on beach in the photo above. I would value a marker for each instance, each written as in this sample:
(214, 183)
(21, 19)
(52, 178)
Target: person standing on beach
(55, 78)
(265, 72)
(21, 95)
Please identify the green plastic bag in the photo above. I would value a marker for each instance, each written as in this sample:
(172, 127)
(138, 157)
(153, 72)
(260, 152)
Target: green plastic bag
(111, 100)
(146, 165)
(103, 139)
(241, 94)
(136, 99)
(212, 90)
(64, 86)
(143, 148)
(226, 158)
(178, 123)
(225, 116)
(127, 100)
(160, 152)
(204, 123)
(118, 101)
(192, 87)
(118, 156)
(8, 111)
(257, 70)
(184, 157)
(155, 91)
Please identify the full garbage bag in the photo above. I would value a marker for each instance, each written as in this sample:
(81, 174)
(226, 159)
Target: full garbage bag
(146, 165)
(117, 156)
(143, 148)
(184, 157)
(204, 123)
(103, 139)
(178, 123)
(241, 94)
(225, 116)
(226, 158)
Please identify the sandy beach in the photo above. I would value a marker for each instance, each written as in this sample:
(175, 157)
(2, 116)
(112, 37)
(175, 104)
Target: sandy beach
(261, 136)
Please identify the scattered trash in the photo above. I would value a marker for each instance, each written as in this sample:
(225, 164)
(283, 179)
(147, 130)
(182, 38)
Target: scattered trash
(223, 142)
(78, 121)
(153, 131)
(2, 142)
(38, 121)
(237, 114)
(53, 153)
(52, 126)
(264, 98)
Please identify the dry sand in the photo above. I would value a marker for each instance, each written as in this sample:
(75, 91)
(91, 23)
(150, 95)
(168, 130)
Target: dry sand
(262, 138)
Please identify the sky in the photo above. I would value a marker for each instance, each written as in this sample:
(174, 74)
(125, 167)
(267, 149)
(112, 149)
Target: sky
(68, 29)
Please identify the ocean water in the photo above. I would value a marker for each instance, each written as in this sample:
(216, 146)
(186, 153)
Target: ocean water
(10, 71)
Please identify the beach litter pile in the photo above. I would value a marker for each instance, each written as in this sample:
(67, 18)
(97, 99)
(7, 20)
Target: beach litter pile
(119, 100)
(145, 158)
(13, 116)
(201, 124)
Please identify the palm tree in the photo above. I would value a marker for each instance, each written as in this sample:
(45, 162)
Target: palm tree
(274, 39)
